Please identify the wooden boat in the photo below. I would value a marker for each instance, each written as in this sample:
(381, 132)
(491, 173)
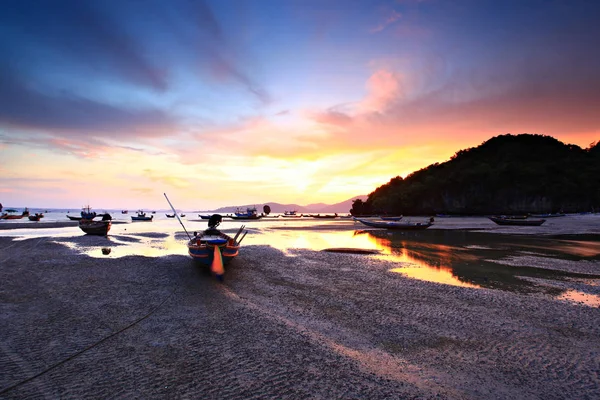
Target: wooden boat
(124, 211)
(330, 216)
(215, 248)
(99, 228)
(86, 213)
(141, 216)
(36, 217)
(9, 214)
(170, 215)
(204, 216)
(291, 214)
(397, 225)
(251, 213)
(501, 220)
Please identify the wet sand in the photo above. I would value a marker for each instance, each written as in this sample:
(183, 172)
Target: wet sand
(302, 325)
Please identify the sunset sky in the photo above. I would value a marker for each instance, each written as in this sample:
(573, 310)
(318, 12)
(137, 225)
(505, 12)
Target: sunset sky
(222, 102)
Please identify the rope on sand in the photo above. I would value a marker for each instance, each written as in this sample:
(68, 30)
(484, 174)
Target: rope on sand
(89, 347)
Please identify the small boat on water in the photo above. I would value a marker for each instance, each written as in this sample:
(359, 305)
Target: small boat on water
(98, 228)
(36, 217)
(124, 211)
(291, 214)
(202, 216)
(10, 214)
(330, 216)
(170, 215)
(502, 220)
(141, 216)
(251, 213)
(397, 225)
(86, 213)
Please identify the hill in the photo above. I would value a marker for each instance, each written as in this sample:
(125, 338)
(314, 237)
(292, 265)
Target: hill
(342, 207)
(508, 174)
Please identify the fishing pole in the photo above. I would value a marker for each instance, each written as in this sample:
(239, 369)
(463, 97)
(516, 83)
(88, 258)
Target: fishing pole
(175, 212)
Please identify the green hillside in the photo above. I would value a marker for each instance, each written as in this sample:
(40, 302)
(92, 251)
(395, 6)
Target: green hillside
(506, 174)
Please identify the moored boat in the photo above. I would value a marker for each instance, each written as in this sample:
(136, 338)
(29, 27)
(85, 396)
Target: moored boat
(251, 213)
(330, 216)
(500, 220)
(86, 213)
(214, 248)
(10, 214)
(291, 214)
(36, 217)
(141, 216)
(397, 225)
(98, 228)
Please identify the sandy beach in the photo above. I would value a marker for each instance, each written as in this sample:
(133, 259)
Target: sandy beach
(300, 324)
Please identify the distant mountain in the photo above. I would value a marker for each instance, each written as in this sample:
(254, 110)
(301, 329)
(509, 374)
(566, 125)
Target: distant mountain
(342, 207)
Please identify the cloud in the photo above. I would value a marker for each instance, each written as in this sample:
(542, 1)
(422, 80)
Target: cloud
(64, 61)
(23, 106)
(391, 19)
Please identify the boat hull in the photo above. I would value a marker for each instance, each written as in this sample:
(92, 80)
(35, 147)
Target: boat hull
(142, 218)
(202, 248)
(98, 228)
(405, 226)
(11, 217)
(517, 222)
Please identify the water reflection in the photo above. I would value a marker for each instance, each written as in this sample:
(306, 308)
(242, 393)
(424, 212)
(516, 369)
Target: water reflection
(459, 258)
(452, 257)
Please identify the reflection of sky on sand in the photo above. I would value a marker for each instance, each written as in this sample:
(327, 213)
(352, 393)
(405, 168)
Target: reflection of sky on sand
(416, 268)
(311, 240)
(575, 296)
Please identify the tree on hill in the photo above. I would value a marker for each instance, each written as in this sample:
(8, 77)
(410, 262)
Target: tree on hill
(507, 174)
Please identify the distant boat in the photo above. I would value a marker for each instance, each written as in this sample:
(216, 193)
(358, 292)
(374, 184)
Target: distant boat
(124, 211)
(291, 214)
(501, 220)
(204, 216)
(251, 213)
(10, 214)
(36, 217)
(99, 228)
(170, 215)
(330, 216)
(86, 213)
(396, 225)
(141, 216)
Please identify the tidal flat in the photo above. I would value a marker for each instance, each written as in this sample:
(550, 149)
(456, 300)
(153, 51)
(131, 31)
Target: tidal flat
(463, 311)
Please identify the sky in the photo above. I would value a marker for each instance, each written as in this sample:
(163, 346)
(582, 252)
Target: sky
(222, 103)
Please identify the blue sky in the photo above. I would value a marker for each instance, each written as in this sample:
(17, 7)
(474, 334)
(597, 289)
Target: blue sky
(307, 101)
